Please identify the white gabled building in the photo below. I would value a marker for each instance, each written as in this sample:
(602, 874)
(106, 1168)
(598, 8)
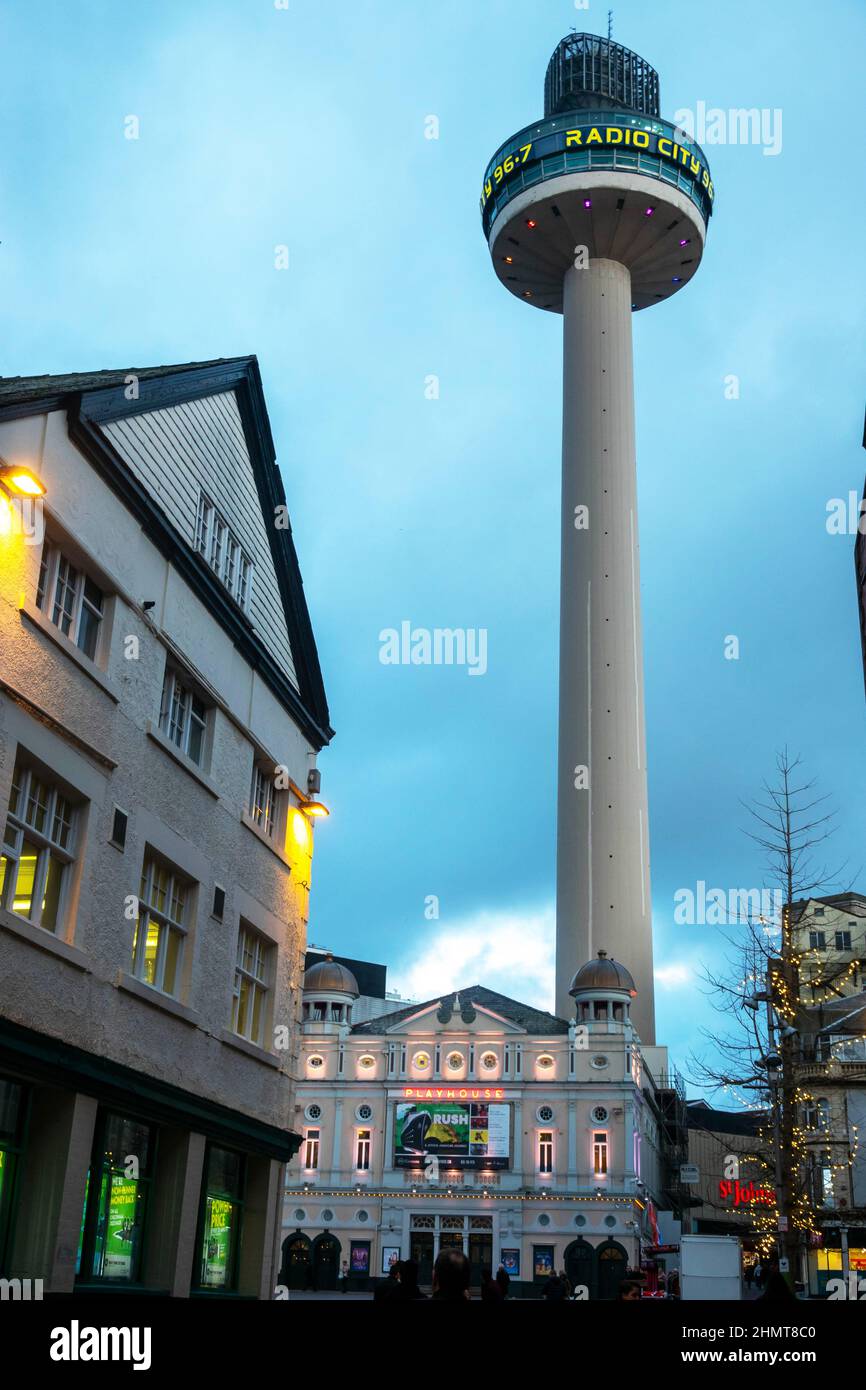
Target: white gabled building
(477, 1121)
(161, 708)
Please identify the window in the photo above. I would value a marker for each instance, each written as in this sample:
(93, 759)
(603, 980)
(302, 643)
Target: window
(119, 823)
(545, 1151)
(38, 849)
(215, 540)
(219, 902)
(489, 1061)
(311, 1150)
(221, 1219)
(362, 1150)
(455, 1061)
(116, 1199)
(817, 912)
(252, 974)
(160, 931)
(599, 1154)
(421, 1061)
(816, 941)
(70, 599)
(13, 1108)
(843, 941)
(264, 798)
(183, 716)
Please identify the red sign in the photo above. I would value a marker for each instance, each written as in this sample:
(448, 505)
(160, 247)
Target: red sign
(739, 1196)
(453, 1092)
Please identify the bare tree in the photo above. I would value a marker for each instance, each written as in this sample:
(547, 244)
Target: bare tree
(758, 991)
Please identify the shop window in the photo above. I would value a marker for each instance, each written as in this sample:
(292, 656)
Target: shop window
(70, 600)
(116, 1200)
(221, 1219)
(38, 848)
(164, 910)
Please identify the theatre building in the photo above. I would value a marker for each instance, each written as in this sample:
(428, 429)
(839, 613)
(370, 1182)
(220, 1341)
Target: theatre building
(475, 1121)
(161, 709)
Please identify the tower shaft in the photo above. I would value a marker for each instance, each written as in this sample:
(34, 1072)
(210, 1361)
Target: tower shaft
(602, 878)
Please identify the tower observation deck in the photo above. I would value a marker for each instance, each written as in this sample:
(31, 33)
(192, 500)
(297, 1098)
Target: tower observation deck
(599, 210)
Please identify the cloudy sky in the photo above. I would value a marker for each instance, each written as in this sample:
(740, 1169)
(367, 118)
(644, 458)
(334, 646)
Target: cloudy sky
(304, 126)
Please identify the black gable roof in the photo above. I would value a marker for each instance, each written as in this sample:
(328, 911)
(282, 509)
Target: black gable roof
(92, 399)
(535, 1021)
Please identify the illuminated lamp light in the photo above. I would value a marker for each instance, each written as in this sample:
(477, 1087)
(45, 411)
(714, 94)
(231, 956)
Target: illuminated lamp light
(314, 808)
(684, 241)
(527, 294)
(587, 202)
(531, 224)
(649, 212)
(677, 279)
(22, 481)
(509, 260)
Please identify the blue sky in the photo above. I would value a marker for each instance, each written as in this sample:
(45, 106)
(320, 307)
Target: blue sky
(305, 127)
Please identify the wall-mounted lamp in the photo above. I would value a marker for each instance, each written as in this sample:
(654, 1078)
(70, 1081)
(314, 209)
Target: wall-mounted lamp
(313, 808)
(22, 481)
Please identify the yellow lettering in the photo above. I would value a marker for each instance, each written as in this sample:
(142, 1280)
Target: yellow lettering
(706, 179)
(641, 139)
(613, 135)
(695, 165)
(593, 137)
(573, 137)
(663, 140)
(628, 137)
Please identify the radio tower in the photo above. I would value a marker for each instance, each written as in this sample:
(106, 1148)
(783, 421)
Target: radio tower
(596, 211)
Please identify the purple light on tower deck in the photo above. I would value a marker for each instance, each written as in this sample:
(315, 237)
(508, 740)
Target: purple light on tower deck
(650, 211)
(684, 241)
(587, 202)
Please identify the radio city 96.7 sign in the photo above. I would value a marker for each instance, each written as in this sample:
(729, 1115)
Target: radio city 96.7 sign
(589, 137)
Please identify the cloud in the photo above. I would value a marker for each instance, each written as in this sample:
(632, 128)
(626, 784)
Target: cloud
(673, 975)
(511, 951)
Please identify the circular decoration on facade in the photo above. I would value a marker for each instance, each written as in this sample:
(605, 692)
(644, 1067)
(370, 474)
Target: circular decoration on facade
(300, 1214)
(363, 1216)
(610, 1221)
(489, 1061)
(455, 1061)
(599, 1114)
(598, 1061)
(316, 1062)
(580, 1220)
(544, 1219)
(366, 1061)
(421, 1061)
(545, 1061)
(313, 1112)
(544, 1114)
(327, 1215)
(364, 1112)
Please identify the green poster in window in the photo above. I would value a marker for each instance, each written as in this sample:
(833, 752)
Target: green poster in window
(119, 1233)
(216, 1254)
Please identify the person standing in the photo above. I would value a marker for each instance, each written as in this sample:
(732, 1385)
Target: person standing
(503, 1279)
(344, 1276)
(451, 1277)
